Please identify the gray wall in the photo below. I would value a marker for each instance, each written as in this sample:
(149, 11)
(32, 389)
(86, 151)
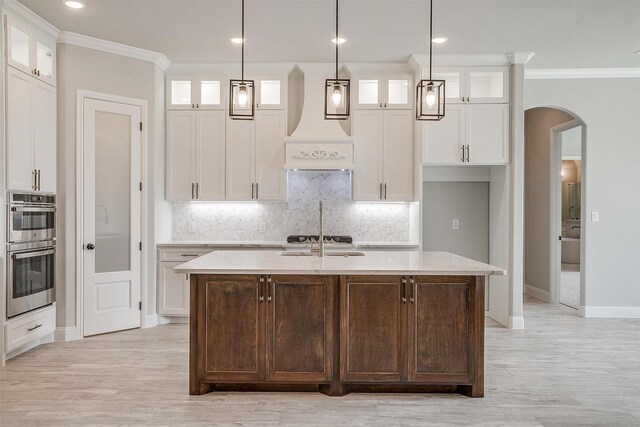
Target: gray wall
(612, 171)
(537, 183)
(466, 201)
(86, 69)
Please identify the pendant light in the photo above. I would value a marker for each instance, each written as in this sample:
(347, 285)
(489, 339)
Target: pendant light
(241, 92)
(430, 95)
(336, 97)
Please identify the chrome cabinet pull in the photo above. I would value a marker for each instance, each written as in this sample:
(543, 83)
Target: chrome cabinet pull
(193, 187)
(467, 153)
(188, 255)
(268, 289)
(404, 290)
(463, 153)
(467, 99)
(380, 191)
(385, 105)
(385, 191)
(412, 282)
(257, 191)
(197, 190)
(253, 190)
(33, 174)
(260, 296)
(39, 178)
(34, 328)
(381, 105)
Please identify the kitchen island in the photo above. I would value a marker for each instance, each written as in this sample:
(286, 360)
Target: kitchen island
(385, 321)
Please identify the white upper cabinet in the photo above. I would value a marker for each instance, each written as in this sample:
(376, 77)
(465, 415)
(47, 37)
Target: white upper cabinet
(383, 155)
(30, 51)
(479, 85)
(270, 92)
(195, 155)
(445, 140)
(196, 92)
(382, 91)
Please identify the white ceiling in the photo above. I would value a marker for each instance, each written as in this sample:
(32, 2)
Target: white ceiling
(563, 34)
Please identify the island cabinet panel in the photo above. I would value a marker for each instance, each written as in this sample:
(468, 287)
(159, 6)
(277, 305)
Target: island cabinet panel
(439, 332)
(372, 332)
(299, 328)
(235, 336)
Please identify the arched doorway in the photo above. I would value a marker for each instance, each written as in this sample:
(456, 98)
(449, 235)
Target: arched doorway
(554, 194)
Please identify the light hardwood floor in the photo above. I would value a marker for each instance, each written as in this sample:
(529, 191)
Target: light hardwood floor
(561, 370)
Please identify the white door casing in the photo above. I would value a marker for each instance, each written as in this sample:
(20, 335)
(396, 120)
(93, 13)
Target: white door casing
(112, 271)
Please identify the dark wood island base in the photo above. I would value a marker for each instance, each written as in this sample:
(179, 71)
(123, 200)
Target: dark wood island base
(337, 334)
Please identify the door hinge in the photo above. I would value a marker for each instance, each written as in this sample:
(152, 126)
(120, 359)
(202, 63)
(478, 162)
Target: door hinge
(140, 185)
(140, 305)
(140, 126)
(140, 245)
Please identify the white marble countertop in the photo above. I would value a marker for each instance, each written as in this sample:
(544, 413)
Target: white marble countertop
(281, 245)
(377, 263)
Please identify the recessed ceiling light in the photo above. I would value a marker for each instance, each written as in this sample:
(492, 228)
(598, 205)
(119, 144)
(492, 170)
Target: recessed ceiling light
(74, 4)
(339, 40)
(637, 52)
(438, 40)
(236, 40)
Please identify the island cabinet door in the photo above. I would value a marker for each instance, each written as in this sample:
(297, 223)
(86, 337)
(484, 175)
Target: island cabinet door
(439, 330)
(234, 328)
(300, 327)
(372, 329)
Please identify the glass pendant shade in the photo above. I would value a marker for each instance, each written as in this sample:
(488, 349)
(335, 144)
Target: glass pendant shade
(430, 100)
(241, 99)
(337, 99)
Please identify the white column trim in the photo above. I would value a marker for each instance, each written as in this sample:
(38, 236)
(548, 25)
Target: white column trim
(610, 312)
(520, 57)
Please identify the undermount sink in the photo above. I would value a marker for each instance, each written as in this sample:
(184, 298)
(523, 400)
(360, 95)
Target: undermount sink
(327, 253)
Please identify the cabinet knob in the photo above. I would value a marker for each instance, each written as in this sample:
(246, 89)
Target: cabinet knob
(385, 105)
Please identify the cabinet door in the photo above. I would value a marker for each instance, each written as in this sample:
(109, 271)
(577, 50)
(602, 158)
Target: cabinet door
(368, 133)
(488, 133)
(210, 155)
(173, 290)
(181, 137)
(444, 140)
(368, 92)
(241, 159)
(235, 330)
(488, 85)
(20, 41)
(270, 174)
(439, 329)
(300, 328)
(45, 57)
(455, 89)
(211, 93)
(20, 158)
(373, 329)
(271, 93)
(399, 92)
(43, 116)
(181, 92)
(398, 155)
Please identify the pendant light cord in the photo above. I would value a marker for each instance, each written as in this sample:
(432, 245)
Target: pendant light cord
(336, 39)
(243, 40)
(430, 36)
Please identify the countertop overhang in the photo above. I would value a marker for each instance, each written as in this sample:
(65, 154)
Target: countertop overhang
(373, 263)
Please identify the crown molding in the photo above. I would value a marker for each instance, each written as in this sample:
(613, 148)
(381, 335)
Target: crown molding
(459, 60)
(75, 39)
(582, 73)
(520, 57)
(186, 68)
(26, 14)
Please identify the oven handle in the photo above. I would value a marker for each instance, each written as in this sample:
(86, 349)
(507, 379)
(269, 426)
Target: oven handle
(32, 209)
(32, 254)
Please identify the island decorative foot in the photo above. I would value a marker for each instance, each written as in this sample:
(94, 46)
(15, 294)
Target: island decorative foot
(334, 388)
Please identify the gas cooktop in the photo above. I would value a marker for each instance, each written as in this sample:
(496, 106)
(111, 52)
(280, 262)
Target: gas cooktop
(308, 238)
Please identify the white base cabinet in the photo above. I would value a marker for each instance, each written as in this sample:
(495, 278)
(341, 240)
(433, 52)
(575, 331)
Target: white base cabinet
(31, 133)
(473, 134)
(383, 155)
(29, 327)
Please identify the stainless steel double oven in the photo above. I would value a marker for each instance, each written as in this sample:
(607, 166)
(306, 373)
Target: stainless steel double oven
(31, 249)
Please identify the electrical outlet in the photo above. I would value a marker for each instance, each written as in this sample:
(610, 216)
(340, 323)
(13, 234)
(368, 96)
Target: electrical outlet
(455, 224)
(595, 216)
(192, 227)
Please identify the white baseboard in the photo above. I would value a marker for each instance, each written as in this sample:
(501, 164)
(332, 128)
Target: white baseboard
(173, 319)
(516, 322)
(537, 293)
(151, 320)
(67, 333)
(33, 344)
(609, 312)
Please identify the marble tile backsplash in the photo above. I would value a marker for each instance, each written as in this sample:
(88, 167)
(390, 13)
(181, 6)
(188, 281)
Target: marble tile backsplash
(274, 221)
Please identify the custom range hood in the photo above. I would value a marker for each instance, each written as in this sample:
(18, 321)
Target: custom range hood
(316, 144)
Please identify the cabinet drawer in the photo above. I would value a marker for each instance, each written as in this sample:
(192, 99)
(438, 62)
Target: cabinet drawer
(182, 254)
(21, 331)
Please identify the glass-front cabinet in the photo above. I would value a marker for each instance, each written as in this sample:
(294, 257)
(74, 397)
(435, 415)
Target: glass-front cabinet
(376, 91)
(30, 51)
(270, 92)
(196, 92)
(479, 85)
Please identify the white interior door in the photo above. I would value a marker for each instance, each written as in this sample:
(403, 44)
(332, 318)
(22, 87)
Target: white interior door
(111, 216)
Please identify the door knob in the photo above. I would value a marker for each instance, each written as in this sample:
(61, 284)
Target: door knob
(90, 246)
